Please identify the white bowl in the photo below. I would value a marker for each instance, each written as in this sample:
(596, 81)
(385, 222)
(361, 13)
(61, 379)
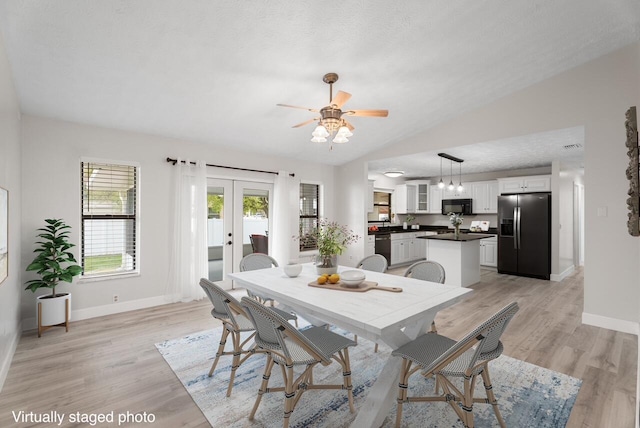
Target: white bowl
(292, 270)
(352, 278)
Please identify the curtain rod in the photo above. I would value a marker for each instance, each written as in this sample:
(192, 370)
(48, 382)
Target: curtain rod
(174, 161)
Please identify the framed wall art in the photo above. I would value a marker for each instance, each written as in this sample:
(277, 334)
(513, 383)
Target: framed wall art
(4, 234)
(633, 201)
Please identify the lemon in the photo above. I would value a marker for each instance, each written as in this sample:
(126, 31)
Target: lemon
(322, 280)
(334, 278)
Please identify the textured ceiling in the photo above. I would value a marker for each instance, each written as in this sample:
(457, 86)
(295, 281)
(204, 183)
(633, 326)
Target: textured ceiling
(528, 151)
(213, 71)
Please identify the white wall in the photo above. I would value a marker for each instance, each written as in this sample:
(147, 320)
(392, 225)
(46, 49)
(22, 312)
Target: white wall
(10, 289)
(596, 96)
(50, 177)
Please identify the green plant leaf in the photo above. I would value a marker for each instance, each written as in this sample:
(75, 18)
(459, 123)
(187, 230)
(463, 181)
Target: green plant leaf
(35, 265)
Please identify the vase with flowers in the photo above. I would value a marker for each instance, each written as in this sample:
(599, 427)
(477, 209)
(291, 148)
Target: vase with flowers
(331, 239)
(456, 220)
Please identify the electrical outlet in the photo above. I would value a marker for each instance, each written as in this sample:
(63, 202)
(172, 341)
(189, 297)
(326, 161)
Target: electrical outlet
(115, 298)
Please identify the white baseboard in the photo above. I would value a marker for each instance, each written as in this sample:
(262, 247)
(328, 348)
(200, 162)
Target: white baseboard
(4, 367)
(611, 323)
(559, 277)
(99, 311)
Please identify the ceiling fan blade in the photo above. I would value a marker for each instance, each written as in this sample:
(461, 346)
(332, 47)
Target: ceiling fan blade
(306, 122)
(349, 126)
(368, 113)
(340, 98)
(302, 108)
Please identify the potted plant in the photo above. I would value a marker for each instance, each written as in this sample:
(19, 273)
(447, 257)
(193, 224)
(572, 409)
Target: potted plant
(456, 220)
(331, 239)
(54, 264)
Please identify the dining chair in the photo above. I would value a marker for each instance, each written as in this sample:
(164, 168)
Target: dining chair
(259, 243)
(427, 270)
(235, 320)
(288, 347)
(374, 263)
(258, 261)
(445, 359)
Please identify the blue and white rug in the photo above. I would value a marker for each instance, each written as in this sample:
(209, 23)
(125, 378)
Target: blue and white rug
(528, 395)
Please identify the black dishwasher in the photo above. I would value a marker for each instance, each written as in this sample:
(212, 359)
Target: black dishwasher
(383, 245)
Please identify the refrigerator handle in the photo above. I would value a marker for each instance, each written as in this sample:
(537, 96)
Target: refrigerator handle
(515, 228)
(517, 231)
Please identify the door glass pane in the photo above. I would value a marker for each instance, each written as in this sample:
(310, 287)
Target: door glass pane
(255, 221)
(215, 232)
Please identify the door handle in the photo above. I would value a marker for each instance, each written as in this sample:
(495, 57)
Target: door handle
(229, 242)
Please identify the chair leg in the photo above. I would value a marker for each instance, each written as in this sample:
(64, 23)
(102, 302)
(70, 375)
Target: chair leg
(467, 401)
(289, 395)
(490, 395)
(375, 348)
(263, 386)
(402, 389)
(346, 377)
(236, 360)
(223, 341)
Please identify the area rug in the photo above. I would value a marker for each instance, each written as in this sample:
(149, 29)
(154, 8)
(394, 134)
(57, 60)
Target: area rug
(528, 395)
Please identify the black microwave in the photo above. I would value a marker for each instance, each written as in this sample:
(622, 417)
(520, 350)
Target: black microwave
(458, 206)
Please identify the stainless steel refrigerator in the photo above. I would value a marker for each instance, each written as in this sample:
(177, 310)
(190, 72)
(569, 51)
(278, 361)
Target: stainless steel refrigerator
(524, 234)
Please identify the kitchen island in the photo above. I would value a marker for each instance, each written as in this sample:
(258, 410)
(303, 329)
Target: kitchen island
(460, 257)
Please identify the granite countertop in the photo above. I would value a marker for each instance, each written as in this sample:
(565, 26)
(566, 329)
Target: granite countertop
(423, 228)
(463, 237)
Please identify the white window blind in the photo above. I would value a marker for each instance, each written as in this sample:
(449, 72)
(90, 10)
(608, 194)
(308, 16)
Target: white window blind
(109, 218)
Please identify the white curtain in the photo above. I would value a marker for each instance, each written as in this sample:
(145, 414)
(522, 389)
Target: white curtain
(286, 201)
(189, 261)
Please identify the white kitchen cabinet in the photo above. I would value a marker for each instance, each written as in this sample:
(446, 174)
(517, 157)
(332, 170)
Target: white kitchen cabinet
(489, 252)
(536, 183)
(405, 199)
(422, 197)
(485, 197)
(370, 196)
(407, 248)
(465, 193)
(370, 247)
(435, 199)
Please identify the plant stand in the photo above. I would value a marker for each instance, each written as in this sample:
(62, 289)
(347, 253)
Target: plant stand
(65, 324)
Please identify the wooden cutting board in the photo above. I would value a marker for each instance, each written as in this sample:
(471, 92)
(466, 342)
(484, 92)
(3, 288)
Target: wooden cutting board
(364, 286)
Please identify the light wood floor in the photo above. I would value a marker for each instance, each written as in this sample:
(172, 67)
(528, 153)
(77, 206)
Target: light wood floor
(110, 363)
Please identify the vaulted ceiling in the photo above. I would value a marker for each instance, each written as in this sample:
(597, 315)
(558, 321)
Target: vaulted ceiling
(213, 71)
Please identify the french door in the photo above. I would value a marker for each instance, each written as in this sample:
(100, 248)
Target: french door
(237, 211)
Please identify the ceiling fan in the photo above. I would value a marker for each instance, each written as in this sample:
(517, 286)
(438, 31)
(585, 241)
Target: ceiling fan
(332, 117)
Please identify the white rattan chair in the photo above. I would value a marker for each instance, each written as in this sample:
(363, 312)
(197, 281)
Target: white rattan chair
(288, 347)
(234, 319)
(445, 359)
(374, 262)
(257, 261)
(427, 270)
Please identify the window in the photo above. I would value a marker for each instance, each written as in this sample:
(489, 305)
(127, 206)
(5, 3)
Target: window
(109, 219)
(309, 208)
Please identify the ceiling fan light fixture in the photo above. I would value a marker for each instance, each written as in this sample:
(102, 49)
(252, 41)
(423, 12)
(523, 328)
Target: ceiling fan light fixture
(339, 139)
(394, 174)
(320, 132)
(318, 140)
(344, 131)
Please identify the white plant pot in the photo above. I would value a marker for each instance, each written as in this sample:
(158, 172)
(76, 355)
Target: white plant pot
(53, 309)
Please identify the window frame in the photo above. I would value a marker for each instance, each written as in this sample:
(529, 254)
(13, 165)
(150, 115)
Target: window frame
(136, 225)
(317, 216)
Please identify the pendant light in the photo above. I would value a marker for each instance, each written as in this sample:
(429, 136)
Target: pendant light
(451, 186)
(441, 183)
(460, 188)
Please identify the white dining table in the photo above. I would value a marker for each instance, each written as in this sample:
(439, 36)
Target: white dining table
(381, 316)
